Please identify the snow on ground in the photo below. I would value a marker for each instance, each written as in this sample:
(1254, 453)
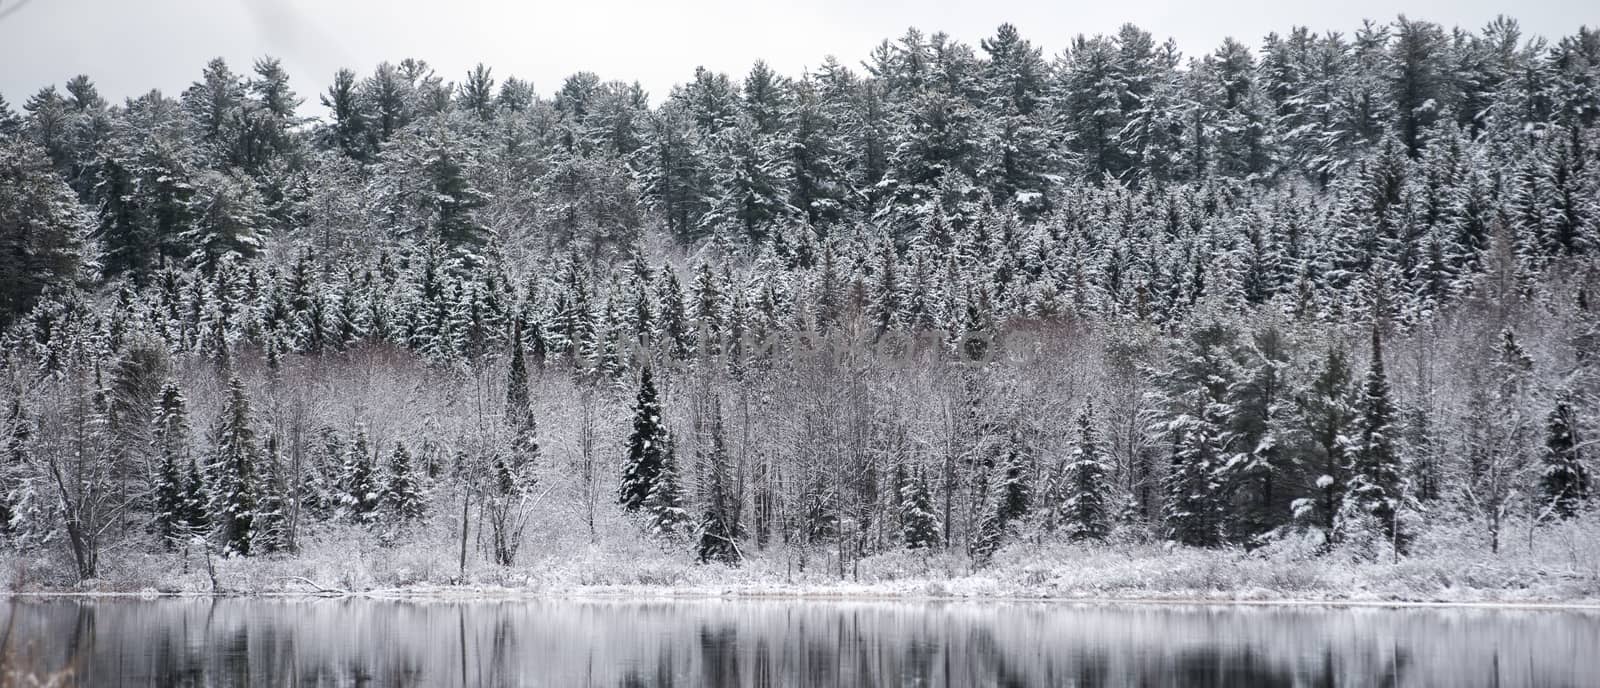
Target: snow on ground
(1561, 566)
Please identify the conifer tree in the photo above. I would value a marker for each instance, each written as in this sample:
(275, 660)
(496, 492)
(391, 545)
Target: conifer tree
(41, 229)
(1564, 484)
(235, 455)
(663, 506)
(524, 454)
(230, 219)
(1193, 512)
(10, 123)
(719, 531)
(516, 376)
(403, 495)
(271, 522)
(919, 527)
(1376, 485)
(1326, 417)
(170, 521)
(171, 438)
(1085, 509)
(196, 500)
(648, 448)
(1195, 390)
(708, 300)
(360, 494)
(1012, 502)
(350, 132)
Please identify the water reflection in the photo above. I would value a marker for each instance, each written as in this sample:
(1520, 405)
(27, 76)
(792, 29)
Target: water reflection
(238, 642)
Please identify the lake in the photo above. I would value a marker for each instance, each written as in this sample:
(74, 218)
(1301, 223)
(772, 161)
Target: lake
(364, 642)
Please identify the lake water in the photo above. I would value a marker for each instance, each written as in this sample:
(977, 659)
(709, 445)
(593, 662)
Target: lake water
(329, 642)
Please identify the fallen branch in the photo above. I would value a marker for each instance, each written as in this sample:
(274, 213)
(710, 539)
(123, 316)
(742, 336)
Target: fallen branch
(321, 589)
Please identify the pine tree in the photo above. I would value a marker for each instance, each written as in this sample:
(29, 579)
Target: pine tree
(708, 298)
(1085, 510)
(403, 495)
(751, 176)
(517, 470)
(350, 132)
(234, 461)
(1091, 94)
(1012, 502)
(1193, 510)
(41, 229)
(648, 447)
(271, 521)
(675, 172)
(360, 494)
(663, 506)
(427, 176)
(1261, 470)
(1564, 484)
(919, 525)
(1326, 417)
(196, 501)
(10, 123)
(1195, 390)
(170, 435)
(719, 531)
(1021, 165)
(1376, 485)
(517, 376)
(170, 519)
(230, 219)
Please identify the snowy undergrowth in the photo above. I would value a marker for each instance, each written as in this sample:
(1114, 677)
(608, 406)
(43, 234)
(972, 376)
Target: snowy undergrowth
(1560, 564)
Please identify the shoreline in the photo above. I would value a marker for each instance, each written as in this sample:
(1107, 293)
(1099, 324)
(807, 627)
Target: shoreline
(809, 595)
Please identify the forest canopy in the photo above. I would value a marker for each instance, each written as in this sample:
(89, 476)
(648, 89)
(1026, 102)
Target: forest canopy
(1338, 287)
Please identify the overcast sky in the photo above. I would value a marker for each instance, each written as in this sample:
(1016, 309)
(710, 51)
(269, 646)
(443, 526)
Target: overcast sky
(130, 46)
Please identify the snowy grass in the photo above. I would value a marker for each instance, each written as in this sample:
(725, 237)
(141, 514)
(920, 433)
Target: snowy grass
(1561, 565)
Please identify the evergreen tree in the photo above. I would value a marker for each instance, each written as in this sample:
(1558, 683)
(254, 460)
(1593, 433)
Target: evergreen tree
(506, 504)
(515, 472)
(230, 219)
(1327, 415)
(1193, 510)
(719, 529)
(41, 229)
(196, 500)
(170, 436)
(271, 522)
(1085, 509)
(648, 448)
(10, 123)
(1564, 483)
(1261, 470)
(350, 132)
(1196, 394)
(235, 456)
(675, 173)
(403, 494)
(663, 506)
(919, 527)
(360, 494)
(517, 375)
(170, 520)
(1376, 485)
(1012, 501)
(426, 185)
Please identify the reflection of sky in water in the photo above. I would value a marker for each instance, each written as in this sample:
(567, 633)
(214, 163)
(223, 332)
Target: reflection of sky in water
(762, 643)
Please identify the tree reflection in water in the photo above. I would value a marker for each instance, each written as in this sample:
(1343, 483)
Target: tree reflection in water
(315, 642)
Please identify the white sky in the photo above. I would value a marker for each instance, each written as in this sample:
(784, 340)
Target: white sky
(130, 46)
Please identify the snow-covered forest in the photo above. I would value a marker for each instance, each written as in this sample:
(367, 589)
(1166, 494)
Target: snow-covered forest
(1335, 297)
